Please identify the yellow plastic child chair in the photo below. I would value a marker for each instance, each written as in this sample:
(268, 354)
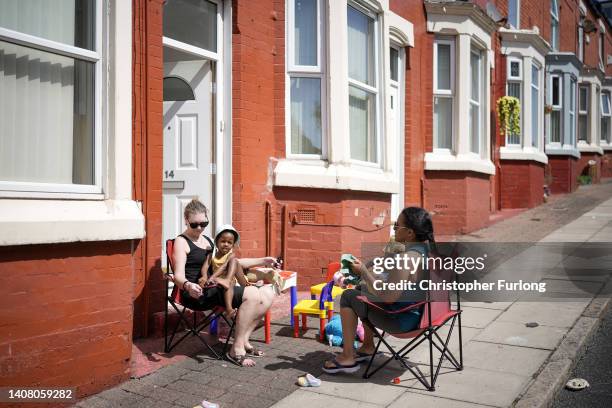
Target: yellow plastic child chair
(315, 290)
(323, 308)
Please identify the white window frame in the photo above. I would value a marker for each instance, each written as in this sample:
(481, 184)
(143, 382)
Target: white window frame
(518, 15)
(305, 71)
(60, 190)
(377, 90)
(580, 50)
(477, 51)
(515, 80)
(535, 139)
(554, 25)
(556, 108)
(585, 112)
(572, 111)
(600, 50)
(605, 115)
(445, 93)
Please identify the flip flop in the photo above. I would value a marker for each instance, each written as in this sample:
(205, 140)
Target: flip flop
(339, 368)
(361, 357)
(238, 360)
(254, 352)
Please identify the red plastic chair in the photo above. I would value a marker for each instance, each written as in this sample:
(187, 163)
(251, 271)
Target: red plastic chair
(437, 312)
(195, 327)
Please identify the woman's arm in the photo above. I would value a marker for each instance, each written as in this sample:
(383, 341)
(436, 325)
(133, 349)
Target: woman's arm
(247, 263)
(180, 258)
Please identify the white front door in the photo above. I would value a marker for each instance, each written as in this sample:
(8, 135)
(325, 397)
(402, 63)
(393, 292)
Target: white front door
(188, 147)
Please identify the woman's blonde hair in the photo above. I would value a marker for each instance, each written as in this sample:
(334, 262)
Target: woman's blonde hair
(195, 206)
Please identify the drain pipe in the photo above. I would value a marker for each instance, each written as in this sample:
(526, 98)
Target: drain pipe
(284, 232)
(268, 229)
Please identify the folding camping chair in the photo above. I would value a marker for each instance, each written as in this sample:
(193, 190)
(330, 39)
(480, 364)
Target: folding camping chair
(437, 312)
(195, 327)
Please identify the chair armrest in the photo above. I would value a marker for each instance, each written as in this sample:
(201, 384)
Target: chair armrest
(364, 299)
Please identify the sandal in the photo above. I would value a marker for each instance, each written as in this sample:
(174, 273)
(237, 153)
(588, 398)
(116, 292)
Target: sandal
(238, 360)
(254, 352)
(339, 368)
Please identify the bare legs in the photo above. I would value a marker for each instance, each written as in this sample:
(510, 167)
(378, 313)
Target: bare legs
(255, 304)
(349, 327)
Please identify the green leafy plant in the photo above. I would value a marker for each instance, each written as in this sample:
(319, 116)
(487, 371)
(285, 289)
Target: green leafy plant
(584, 180)
(509, 114)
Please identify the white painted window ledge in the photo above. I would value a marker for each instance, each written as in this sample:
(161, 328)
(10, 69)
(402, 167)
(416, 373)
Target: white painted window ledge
(525, 153)
(606, 146)
(555, 149)
(589, 148)
(290, 173)
(459, 162)
(24, 222)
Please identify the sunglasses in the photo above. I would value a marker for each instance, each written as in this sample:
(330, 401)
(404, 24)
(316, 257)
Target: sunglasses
(195, 225)
(396, 227)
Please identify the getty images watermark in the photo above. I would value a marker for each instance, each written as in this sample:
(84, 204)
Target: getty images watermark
(493, 271)
(414, 262)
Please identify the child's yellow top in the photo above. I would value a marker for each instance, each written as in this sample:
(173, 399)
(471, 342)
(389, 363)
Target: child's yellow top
(218, 262)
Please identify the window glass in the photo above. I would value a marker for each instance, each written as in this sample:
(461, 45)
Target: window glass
(555, 126)
(514, 89)
(556, 84)
(443, 122)
(584, 98)
(176, 89)
(394, 56)
(605, 103)
(193, 22)
(444, 66)
(554, 25)
(65, 21)
(361, 47)
(47, 117)
(513, 13)
(305, 32)
(306, 116)
(362, 119)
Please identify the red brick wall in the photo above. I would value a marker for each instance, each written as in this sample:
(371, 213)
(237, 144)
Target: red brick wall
(522, 183)
(147, 139)
(460, 200)
(606, 164)
(583, 166)
(344, 221)
(564, 174)
(66, 313)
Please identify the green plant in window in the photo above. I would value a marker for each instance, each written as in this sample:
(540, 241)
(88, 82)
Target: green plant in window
(509, 114)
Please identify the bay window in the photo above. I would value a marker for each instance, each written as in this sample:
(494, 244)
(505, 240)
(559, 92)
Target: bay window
(305, 69)
(555, 115)
(605, 117)
(514, 88)
(444, 82)
(363, 84)
(476, 101)
(583, 113)
(50, 94)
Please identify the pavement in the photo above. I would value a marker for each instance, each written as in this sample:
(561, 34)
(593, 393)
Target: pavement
(505, 363)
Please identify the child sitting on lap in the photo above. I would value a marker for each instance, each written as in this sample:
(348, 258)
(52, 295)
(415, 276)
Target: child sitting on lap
(223, 272)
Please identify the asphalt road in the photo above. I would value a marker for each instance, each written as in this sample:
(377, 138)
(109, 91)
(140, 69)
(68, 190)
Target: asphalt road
(595, 366)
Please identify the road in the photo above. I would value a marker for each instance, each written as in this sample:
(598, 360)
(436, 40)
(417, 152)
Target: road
(596, 367)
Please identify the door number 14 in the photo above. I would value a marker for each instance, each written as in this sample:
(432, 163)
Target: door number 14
(169, 174)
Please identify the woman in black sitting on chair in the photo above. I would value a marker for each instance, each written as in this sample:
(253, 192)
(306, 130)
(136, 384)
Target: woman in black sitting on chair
(190, 250)
(414, 229)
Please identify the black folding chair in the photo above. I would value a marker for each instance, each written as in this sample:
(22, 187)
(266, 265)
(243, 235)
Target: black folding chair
(437, 312)
(192, 327)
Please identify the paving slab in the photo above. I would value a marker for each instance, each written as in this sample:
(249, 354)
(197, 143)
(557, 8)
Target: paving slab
(479, 386)
(412, 399)
(477, 317)
(516, 334)
(555, 314)
(487, 305)
(523, 361)
(301, 398)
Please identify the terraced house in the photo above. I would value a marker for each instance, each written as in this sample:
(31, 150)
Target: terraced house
(308, 124)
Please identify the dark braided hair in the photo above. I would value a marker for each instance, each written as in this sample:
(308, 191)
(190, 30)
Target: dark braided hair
(419, 220)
